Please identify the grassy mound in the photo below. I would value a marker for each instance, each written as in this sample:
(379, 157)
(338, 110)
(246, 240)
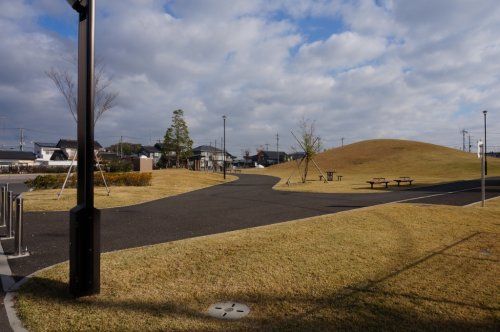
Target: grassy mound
(389, 158)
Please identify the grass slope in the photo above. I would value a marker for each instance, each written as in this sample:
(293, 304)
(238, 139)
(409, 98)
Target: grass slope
(165, 183)
(393, 267)
(359, 162)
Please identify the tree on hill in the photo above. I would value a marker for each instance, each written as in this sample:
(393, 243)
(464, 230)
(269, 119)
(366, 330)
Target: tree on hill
(309, 142)
(127, 148)
(177, 145)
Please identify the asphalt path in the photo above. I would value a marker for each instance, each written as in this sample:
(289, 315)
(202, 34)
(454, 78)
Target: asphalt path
(247, 202)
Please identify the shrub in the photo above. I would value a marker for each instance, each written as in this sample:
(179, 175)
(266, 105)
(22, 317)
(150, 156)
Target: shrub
(120, 166)
(112, 179)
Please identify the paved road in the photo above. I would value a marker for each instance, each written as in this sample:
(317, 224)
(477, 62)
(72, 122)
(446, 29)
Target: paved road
(247, 202)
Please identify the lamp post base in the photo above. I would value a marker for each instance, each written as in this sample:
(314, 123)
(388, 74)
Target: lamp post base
(84, 251)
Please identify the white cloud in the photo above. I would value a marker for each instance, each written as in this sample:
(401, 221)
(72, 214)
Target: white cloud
(412, 69)
(344, 50)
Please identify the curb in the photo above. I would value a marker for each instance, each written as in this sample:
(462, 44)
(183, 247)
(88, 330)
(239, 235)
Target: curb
(10, 286)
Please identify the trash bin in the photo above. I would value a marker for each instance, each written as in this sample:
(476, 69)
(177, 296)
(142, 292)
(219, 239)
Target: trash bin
(329, 175)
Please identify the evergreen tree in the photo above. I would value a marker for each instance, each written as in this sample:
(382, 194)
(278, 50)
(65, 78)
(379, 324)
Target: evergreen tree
(177, 145)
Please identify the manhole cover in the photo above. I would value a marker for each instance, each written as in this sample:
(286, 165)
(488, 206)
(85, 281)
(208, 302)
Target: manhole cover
(228, 310)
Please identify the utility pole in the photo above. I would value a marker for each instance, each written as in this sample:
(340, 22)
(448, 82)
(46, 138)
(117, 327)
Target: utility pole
(469, 143)
(342, 139)
(278, 147)
(224, 152)
(121, 146)
(463, 138)
(21, 139)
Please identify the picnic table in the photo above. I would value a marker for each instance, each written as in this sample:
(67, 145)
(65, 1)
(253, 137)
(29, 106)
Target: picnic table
(378, 181)
(404, 179)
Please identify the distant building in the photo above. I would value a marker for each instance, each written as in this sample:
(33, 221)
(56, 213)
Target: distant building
(16, 158)
(44, 151)
(268, 158)
(207, 157)
(151, 152)
(296, 155)
(60, 153)
(70, 147)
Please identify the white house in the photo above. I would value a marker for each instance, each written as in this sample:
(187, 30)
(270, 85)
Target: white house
(69, 147)
(207, 157)
(44, 151)
(60, 154)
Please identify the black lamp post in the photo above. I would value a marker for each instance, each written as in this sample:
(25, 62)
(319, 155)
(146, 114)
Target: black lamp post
(224, 157)
(485, 150)
(484, 165)
(84, 258)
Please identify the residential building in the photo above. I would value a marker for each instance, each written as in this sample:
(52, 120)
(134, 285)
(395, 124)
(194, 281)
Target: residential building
(70, 147)
(206, 157)
(268, 158)
(60, 153)
(151, 152)
(296, 155)
(16, 158)
(44, 151)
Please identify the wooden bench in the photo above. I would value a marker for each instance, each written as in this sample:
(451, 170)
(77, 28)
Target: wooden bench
(339, 177)
(379, 181)
(237, 170)
(404, 179)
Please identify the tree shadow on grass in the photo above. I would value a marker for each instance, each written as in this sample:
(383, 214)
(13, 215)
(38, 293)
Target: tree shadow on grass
(351, 308)
(368, 305)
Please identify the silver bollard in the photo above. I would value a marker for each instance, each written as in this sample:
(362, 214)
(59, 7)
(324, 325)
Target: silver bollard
(9, 215)
(20, 249)
(3, 205)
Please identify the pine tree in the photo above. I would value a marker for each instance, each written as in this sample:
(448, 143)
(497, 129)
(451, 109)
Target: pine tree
(177, 140)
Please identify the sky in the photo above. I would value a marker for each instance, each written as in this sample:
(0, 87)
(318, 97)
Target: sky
(420, 70)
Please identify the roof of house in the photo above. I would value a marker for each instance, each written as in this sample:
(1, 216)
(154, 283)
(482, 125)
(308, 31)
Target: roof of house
(46, 145)
(59, 155)
(150, 149)
(73, 144)
(17, 155)
(297, 154)
(209, 148)
(206, 148)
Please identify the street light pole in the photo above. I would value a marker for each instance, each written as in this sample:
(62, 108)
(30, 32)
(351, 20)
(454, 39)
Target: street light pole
(224, 157)
(84, 273)
(483, 166)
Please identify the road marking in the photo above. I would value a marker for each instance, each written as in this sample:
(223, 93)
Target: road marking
(434, 195)
(488, 199)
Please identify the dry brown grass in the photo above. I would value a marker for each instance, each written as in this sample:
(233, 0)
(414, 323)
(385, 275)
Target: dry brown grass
(164, 183)
(392, 267)
(359, 162)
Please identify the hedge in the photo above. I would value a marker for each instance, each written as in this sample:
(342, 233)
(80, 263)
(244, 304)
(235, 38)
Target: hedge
(112, 179)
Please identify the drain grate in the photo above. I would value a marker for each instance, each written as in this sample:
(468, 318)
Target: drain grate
(228, 310)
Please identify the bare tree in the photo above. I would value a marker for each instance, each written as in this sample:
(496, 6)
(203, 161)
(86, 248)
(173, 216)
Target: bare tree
(104, 100)
(309, 142)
